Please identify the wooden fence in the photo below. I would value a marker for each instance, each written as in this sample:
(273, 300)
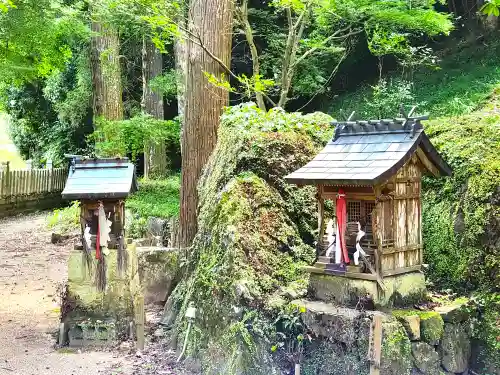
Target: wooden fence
(30, 189)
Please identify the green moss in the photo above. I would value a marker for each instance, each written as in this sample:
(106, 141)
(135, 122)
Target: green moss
(431, 324)
(431, 327)
(396, 350)
(254, 234)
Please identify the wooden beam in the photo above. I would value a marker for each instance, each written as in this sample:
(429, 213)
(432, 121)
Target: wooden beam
(427, 163)
(392, 250)
(348, 275)
(400, 271)
(348, 190)
(375, 346)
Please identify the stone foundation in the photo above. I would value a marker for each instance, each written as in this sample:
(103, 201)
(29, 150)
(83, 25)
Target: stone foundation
(340, 341)
(157, 270)
(401, 290)
(100, 318)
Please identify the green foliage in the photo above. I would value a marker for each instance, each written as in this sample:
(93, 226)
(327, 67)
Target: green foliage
(65, 220)
(46, 85)
(459, 211)
(462, 84)
(37, 39)
(165, 84)
(487, 328)
(129, 137)
(491, 8)
(387, 96)
(158, 198)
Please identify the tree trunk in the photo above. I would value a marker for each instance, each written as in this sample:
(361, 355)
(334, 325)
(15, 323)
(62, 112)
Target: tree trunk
(106, 72)
(155, 154)
(211, 24)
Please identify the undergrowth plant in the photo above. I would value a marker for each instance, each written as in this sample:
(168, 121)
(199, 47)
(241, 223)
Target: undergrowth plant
(65, 220)
(158, 198)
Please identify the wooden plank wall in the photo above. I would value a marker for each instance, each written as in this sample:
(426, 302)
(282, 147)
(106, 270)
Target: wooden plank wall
(18, 187)
(400, 241)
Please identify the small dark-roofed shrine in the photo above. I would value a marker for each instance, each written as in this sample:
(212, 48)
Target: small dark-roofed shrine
(370, 236)
(103, 283)
(100, 179)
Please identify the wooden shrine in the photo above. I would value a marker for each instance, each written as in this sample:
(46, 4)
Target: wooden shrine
(103, 284)
(101, 184)
(377, 167)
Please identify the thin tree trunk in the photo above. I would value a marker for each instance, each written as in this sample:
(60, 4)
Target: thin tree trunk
(295, 32)
(106, 72)
(211, 22)
(253, 50)
(155, 155)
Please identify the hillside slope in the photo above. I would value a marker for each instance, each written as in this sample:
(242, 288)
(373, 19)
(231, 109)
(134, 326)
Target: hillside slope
(461, 215)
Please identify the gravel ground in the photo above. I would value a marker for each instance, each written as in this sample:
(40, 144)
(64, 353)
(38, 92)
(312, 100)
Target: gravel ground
(30, 270)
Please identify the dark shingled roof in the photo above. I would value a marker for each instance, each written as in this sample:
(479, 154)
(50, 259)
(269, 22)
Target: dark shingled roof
(100, 179)
(368, 152)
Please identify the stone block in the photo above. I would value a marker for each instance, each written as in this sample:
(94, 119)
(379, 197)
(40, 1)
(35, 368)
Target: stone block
(426, 358)
(340, 290)
(411, 323)
(333, 323)
(396, 356)
(455, 348)
(114, 304)
(454, 313)
(431, 327)
(92, 332)
(157, 270)
(401, 290)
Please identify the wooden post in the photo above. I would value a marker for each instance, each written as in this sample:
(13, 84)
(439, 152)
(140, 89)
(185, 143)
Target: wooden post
(375, 348)
(139, 321)
(50, 167)
(6, 178)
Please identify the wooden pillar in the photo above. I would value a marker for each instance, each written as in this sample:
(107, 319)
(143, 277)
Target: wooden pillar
(6, 181)
(321, 217)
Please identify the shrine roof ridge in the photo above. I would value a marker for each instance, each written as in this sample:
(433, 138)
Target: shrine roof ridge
(380, 126)
(365, 153)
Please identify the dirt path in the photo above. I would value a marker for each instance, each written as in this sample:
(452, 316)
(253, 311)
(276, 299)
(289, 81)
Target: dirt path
(30, 270)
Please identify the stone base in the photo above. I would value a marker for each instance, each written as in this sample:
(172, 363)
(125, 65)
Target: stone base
(91, 332)
(93, 317)
(401, 290)
(157, 270)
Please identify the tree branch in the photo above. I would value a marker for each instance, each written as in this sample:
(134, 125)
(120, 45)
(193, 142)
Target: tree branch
(334, 36)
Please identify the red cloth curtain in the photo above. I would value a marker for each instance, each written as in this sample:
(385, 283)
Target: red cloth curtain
(342, 223)
(98, 242)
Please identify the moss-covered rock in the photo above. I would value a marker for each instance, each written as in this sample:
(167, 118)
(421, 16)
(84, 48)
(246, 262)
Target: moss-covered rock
(431, 327)
(396, 350)
(455, 348)
(431, 324)
(158, 269)
(425, 358)
(254, 234)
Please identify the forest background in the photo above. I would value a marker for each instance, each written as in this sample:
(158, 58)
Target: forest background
(149, 79)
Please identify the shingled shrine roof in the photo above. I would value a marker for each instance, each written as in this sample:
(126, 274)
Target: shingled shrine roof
(368, 152)
(100, 179)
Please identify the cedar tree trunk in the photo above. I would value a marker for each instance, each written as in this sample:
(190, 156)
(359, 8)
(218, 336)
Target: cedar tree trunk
(155, 154)
(106, 72)
(210, 24)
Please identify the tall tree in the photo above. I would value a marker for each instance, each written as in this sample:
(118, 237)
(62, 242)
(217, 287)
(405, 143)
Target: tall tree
(208, 48)
(155, 159)
(106, 71)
